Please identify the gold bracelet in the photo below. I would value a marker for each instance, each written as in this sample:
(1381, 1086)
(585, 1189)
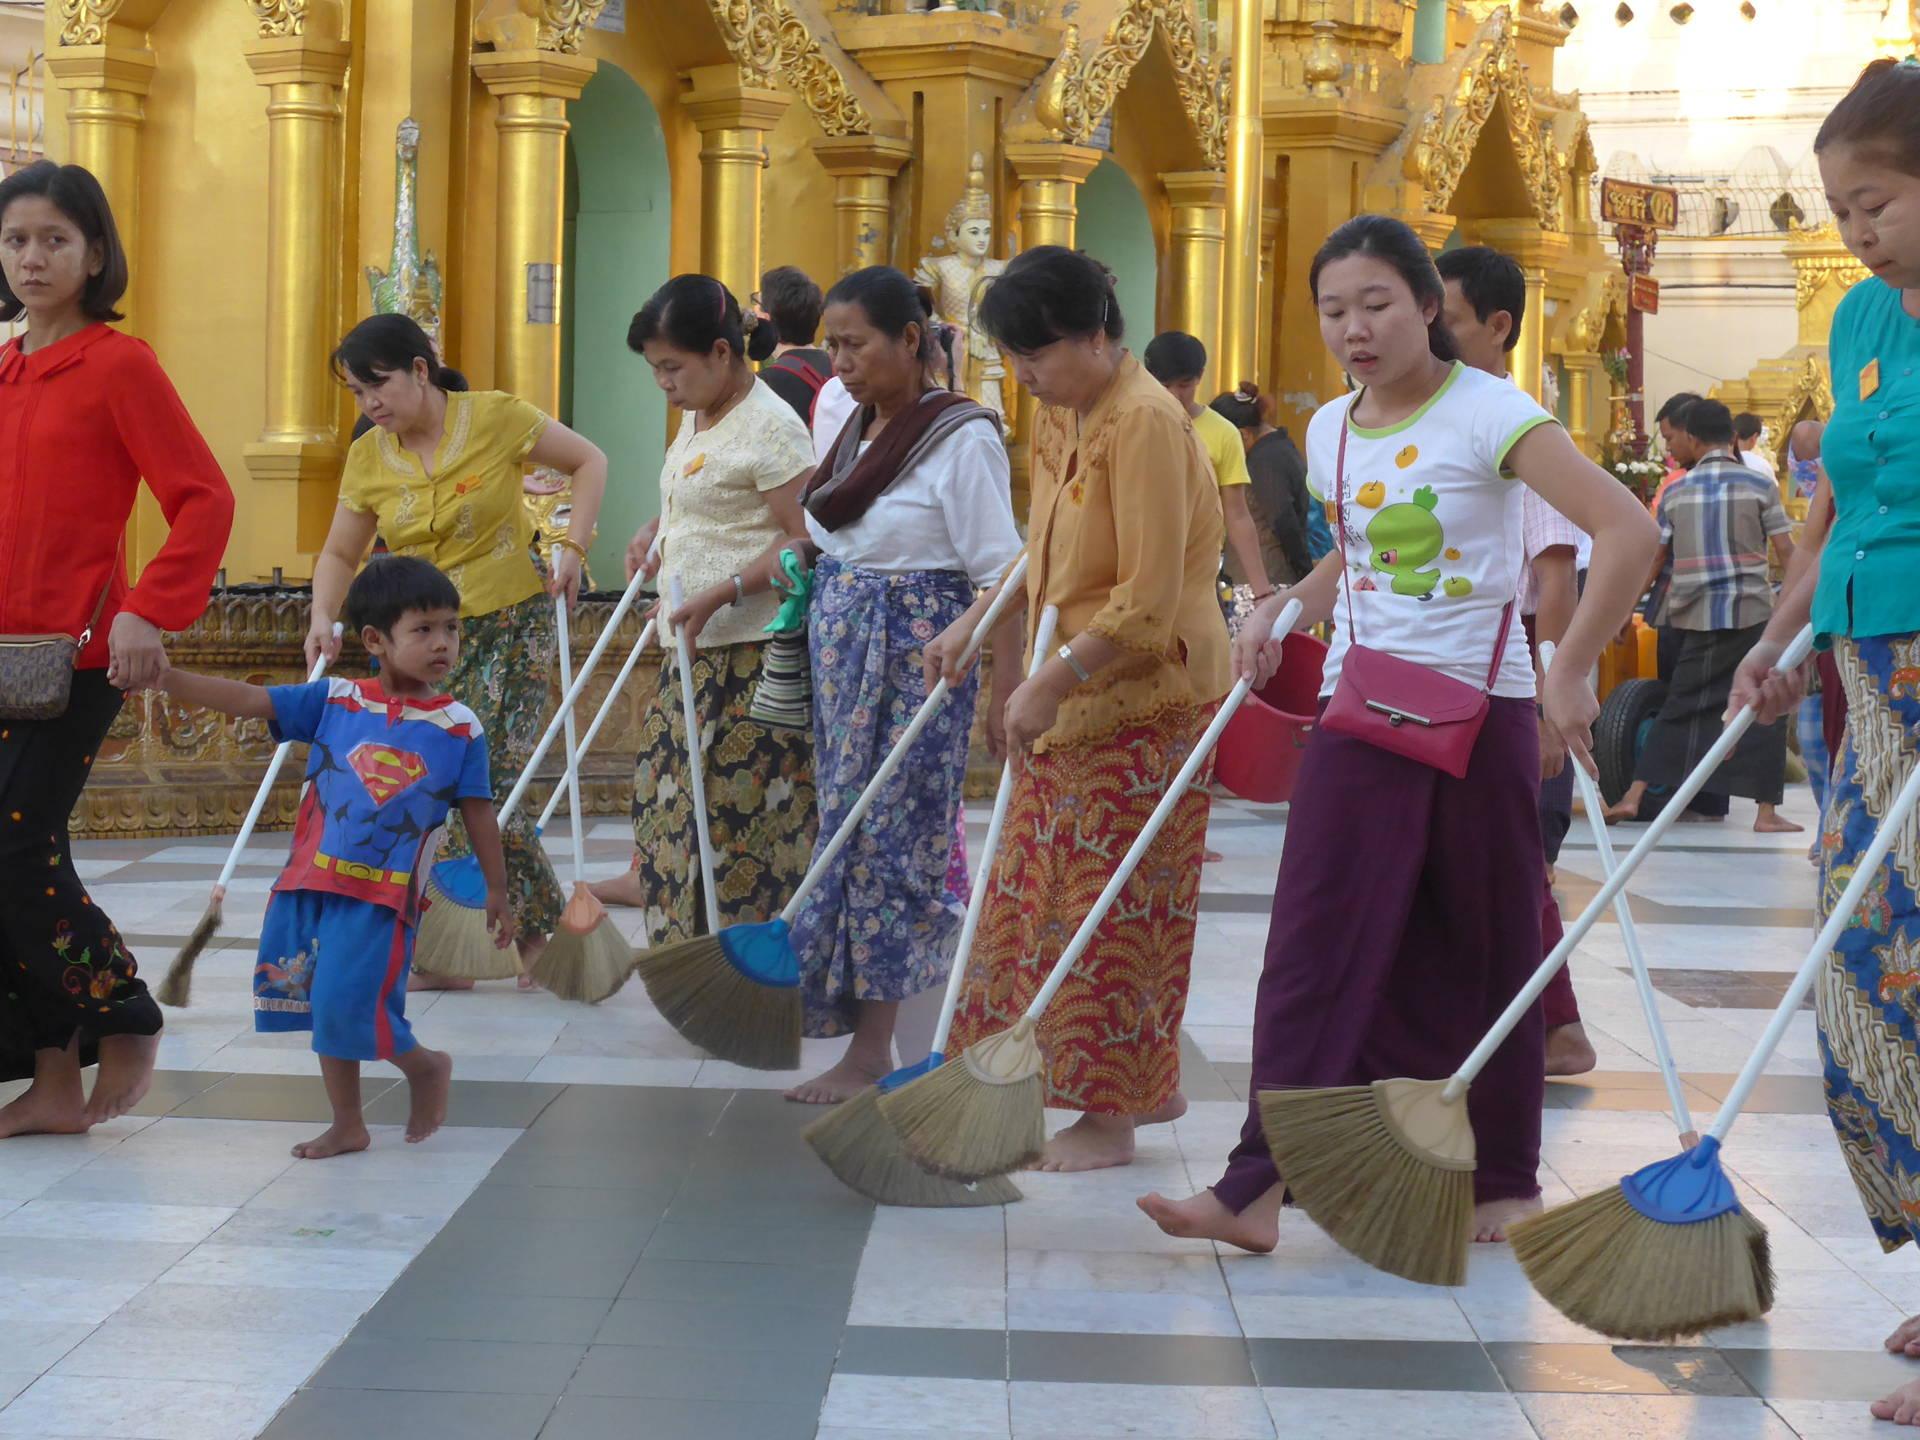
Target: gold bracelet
(567, 542)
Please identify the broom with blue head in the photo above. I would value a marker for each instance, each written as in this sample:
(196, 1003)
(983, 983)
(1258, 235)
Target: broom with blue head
(736, 992)
(854, 1140)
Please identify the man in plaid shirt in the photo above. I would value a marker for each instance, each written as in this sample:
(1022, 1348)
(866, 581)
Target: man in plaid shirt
(1716, 524)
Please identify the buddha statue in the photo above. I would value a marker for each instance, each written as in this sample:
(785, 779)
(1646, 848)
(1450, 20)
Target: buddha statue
(958, 278)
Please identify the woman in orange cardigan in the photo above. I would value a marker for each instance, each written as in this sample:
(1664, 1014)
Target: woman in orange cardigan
(86, 413)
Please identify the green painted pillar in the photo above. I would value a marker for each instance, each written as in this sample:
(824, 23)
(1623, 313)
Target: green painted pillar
(1430, 32)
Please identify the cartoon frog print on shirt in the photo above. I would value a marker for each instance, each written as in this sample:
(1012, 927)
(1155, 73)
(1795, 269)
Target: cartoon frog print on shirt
(1406, 538)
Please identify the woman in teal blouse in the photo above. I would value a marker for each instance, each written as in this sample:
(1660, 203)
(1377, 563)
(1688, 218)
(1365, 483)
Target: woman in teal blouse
(1865, 603)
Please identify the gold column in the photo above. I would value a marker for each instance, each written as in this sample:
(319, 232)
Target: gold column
(1272, 212)
(1050, 176)
(106, 84)
(1240, 298)
(299, 441)
(1199, 236)
(531, 89)
(863, 167)
(733, 120)
(1535, 250)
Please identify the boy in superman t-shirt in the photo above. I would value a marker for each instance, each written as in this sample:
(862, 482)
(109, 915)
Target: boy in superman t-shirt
(388, 760)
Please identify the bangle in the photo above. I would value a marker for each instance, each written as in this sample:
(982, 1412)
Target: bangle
(1065, 652)
(1266, 594)
(739, 589)
(567, 542)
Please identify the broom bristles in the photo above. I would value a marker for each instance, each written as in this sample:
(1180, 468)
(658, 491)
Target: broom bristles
(176, 988)
(587, 967)
(1351, 1170)
(453, 940)
(962, 1122)
(856, 1143)
(701, 993)
(1604, 1265)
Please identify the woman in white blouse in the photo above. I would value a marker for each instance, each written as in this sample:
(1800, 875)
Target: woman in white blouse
(910, 511)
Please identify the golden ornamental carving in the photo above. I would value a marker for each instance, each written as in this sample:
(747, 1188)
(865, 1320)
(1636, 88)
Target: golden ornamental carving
(561, 22)
(1584, 331)
(1489, 72)
(1811, 395)
(1819, 256)
(770, 42)
(84, 22)
(280, 17)
(1076, 94)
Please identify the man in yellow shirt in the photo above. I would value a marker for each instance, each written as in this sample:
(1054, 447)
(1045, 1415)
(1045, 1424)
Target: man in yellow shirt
(1178, 360)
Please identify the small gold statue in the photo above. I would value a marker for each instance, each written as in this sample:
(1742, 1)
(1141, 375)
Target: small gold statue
(958, 280)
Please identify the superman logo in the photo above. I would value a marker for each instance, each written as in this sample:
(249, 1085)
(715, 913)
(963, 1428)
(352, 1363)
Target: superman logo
(385, 771)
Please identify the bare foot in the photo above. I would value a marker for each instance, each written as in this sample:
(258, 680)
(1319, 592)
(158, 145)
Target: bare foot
(1902, 1407)
(1693, 817)
(1490, 1220)
(1211, 857)
(1203, 1217)
(530, 951)
(340, 1138)
(1093, 1142)
(1906, 1340)
(621, 890)
(429, 1079)
(844, 1081)
(1569, 1052)
(1621, 813)
(1771, 822)
(420, 980)
(126, 1070)
(1166, 1114)
(56, 1102)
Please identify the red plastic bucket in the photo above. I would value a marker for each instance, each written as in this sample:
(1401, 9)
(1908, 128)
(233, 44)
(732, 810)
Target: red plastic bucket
(1259, 752)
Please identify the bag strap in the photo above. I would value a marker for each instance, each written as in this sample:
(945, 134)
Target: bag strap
(100, 605)
(1346, 581)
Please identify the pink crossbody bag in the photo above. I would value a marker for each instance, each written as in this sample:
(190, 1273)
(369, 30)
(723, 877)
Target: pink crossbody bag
(1396, 704)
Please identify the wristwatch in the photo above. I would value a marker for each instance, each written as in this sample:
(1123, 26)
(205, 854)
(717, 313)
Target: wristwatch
(1065, 652)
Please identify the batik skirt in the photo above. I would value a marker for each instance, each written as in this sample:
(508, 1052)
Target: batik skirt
(1112, 1035)
(884, 921)
(1867, 1001)
(759, 788)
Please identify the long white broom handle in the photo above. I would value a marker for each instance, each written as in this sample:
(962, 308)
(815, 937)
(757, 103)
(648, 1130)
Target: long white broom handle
(1629, 935)
(578, 827)
(1864, 872)
(1136, 852)
(1669, 817)
(571, 693)
(983, 873)
(929, 707)
(606, 709)
(266, 787)
(696, 764)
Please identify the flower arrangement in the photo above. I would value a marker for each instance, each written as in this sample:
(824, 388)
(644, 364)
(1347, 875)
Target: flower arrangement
(1615, 363)
(1633, 472)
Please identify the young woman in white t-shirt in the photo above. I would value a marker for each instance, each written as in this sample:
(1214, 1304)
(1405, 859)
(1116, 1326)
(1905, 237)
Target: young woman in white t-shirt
(1408, 907)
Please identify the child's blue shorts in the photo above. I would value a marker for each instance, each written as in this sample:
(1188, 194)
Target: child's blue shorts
(338, 967)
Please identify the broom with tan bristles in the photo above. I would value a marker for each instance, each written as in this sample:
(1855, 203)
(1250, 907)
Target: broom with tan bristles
(987, 1115)
(1387, 1169)
(736, 992)
(854, 1140)
(588, 944)
(176, 989)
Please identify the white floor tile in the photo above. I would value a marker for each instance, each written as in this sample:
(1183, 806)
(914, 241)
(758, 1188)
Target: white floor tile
(1307, 1317)
(1113, 1312)
(276, 1266)
(1218, 1412)
(235, 1357)
(79, 1219)
(1402, 1414)
(1618, 1417)
(256, 1309)
(917, 1406)
(57, 1407)
(1832, 1420)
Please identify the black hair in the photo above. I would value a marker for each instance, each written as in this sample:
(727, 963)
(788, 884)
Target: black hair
(391, 585)
(383, 344)
(791, 298)
(76, 194)
(1173, 356)
(693, 313)
(1489, 282)
(1393, 242)
(1709, 422)
(1748, 425)
(1050, 293)
(1675, 409)
(1244, 408)
(1881, 114)
(892, 302)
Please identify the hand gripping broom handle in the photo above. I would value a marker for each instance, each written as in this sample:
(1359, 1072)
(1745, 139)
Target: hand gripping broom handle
(571, 693)
(266, 787)
(983, 875)
(1842, 915)
(696, 766)
(578, 827)
(1136, 852)
(936, 697)
(606, 709)
(1670, 816)
(1629, 935)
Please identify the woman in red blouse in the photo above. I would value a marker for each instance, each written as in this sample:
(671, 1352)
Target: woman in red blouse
(85, 414)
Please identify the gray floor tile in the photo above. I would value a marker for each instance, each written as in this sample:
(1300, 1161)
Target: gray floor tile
(757, 1244)
(612, 1167)
(1199, 1079)
(388, 1414)
(173, 1088)
(496, 1255)
(589, 1418)
(494, 1104)
(568, 1202)
(1529, 1368)
(392, 1362)
(1357, 1365)
(430, 1314)
(809, 1287)
(300, 1098)
(703, 1323)
(767, 1377)
(1821, 1374)
(844, 1211)
(1128, 1359)
(934, 1354)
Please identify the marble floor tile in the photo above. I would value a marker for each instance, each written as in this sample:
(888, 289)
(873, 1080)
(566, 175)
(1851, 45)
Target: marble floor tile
(1119, 1313)
(75, 1407)
(1044, 1408)
(1403, 1414)
(235, 1357)
(80, 1219)
(1309, 1317)
(1656, 1417)
(917, 1406)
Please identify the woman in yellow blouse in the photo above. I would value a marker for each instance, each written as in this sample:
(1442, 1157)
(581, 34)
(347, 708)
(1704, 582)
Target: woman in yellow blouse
(439, 476)
(1124, 537)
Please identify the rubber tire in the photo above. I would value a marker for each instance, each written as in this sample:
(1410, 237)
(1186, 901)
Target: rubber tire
(1616, 734)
